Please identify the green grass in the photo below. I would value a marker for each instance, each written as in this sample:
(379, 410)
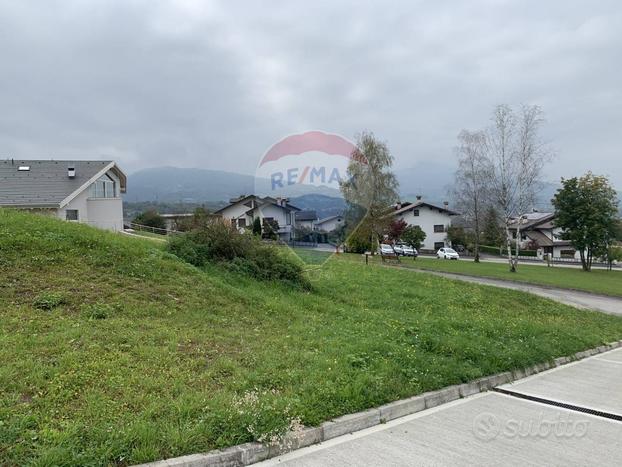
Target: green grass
(309, 256)
(115, 352)
(597, 281)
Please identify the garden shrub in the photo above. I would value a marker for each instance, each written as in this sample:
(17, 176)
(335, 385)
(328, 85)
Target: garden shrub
(49, 301)
(218, 242)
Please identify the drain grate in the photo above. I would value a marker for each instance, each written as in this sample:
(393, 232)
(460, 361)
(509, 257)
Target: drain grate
(576, 408)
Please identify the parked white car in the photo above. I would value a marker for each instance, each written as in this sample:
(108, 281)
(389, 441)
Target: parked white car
(398, 248)
(386, 249)
(408, 250)
(447, 253)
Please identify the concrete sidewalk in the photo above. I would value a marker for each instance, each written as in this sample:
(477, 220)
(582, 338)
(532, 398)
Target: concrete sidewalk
(497, 429)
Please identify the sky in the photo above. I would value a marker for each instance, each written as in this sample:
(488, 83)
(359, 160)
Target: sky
(213, 84)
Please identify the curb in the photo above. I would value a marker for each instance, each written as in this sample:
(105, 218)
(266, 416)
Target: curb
(249, 453)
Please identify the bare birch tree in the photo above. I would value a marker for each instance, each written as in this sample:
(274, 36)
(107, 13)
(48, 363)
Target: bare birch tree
(469, 189)
(531, 154)
(503, 169)
(516, 157)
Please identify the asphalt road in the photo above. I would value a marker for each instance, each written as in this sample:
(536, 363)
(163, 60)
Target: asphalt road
(497, 429)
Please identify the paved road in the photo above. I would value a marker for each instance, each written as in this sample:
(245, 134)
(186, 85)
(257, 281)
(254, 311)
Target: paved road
(496, 259)
(495, 428)
(611, 305)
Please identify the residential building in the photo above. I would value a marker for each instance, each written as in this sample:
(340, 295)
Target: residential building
(243, 211)
(88, 192)
(329, 224)
(538, 232)
(432, 219)
(306, 219)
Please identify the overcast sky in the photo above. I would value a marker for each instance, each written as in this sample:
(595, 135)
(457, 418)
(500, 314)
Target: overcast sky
(213, 84)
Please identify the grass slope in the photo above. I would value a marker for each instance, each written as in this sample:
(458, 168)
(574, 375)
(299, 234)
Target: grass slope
(114, 352)
(597, 281)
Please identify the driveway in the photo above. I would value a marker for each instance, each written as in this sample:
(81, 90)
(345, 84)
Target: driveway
(571, 415)
(606, 304)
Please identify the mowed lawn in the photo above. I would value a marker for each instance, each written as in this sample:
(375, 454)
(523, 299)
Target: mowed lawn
(115, 352)
(596, 281)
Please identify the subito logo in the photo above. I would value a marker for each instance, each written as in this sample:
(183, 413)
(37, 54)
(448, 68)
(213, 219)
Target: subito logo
(303, 163)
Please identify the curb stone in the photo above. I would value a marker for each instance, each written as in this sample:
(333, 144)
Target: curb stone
(249, 453)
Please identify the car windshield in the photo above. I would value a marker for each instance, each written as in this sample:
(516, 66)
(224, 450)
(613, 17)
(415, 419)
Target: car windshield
(449, 250)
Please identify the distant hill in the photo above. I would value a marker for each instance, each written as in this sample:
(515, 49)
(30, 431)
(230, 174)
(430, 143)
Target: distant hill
(174, 184)
(325, 206)
(430, 179)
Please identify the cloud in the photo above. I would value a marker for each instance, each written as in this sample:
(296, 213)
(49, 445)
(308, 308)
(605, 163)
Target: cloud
(214, 84)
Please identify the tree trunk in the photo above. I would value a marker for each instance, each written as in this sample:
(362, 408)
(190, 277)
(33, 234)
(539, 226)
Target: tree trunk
(517, 240)
(476, 259)
(508, 239)
(583, 260)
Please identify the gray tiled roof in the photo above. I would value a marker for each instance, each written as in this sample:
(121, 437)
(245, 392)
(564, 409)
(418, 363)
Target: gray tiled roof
(306, 216)
(46, 184)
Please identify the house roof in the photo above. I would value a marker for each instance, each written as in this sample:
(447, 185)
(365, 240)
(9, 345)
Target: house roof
(408, 205)
(45, 183)
(259, 202)
(306, 216)
(540, 220)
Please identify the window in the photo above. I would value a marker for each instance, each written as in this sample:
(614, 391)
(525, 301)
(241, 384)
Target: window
(416, 212)
(241, 223)
(104, 187)
(71, 214)
(439, 245)
(439, 228)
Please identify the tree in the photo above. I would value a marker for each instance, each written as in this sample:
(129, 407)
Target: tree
(396, 229)
(492, 233)
(470, 181)
(257, 226)
(586, 210)
(270, 229)
(369, 189)
(413, 236)
(150, 218)
(457, 236)
(516, 158)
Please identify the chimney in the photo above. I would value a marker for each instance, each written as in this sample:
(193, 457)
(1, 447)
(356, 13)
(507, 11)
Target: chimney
(71, 171)
(398, 205)
(419, 197)
(446, 204)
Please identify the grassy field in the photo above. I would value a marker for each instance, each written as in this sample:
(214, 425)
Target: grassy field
(115, 352)
(597, 281)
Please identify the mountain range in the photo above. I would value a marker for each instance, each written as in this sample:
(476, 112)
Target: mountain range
(431, 180)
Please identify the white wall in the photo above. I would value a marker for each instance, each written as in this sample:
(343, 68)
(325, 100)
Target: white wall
(330, 225)
(427, 218)
(104, 213)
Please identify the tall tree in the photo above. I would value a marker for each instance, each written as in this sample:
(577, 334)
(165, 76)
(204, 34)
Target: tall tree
(516, 157)
(470, 181)
(370, 188)
(586, 210)
(492, 233)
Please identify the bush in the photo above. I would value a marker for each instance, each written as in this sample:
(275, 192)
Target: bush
(98, 310)
(49, 301)
(244, 253)
(150, 219)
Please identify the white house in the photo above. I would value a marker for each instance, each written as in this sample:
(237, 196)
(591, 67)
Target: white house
(306, 219)
(88, 192)
(244, 210)
(329, 224)
(432, 219)
(538, 232)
